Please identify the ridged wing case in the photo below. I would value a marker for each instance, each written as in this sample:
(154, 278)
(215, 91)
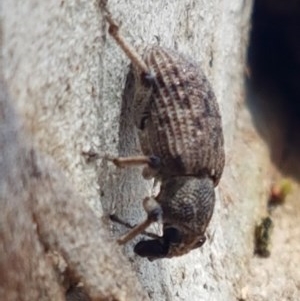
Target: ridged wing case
(178, 116)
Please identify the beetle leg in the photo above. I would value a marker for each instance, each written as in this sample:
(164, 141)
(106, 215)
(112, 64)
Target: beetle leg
(120, 221)
(128, 161)
(135, 231)
(154, 212)
(131, 53)
(153, 162)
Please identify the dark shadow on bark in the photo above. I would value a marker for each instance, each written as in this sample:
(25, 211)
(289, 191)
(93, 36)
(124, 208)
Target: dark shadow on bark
(274, 81)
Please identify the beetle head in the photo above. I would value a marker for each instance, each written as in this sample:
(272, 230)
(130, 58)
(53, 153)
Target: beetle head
(171, 244)
(187, 205)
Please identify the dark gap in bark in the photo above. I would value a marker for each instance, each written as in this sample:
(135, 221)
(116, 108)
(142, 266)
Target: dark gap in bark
(274, 80)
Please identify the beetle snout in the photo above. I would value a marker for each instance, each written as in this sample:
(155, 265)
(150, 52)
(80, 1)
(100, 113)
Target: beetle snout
(159, 248)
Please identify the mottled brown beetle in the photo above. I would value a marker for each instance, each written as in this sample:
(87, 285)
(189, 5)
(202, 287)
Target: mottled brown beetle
(180, 133)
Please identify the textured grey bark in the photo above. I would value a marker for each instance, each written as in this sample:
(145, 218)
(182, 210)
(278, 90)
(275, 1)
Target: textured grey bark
(67, 75)
(49, 239)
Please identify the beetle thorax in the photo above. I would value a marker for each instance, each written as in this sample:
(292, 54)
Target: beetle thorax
(187, 204)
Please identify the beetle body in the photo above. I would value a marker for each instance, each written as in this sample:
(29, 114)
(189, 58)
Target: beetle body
(178, 116)
(180, 133)
(179, 122)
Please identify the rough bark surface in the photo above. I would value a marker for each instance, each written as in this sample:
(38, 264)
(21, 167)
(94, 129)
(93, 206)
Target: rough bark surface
(42, 218)
(66, 76)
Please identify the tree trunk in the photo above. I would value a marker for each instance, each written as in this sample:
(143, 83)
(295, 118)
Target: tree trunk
(65, 75)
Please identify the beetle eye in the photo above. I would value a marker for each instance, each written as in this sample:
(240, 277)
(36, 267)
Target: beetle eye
(172, 235)
(200, 242)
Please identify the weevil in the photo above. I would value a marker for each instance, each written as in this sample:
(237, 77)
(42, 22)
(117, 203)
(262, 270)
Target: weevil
(180, 132)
